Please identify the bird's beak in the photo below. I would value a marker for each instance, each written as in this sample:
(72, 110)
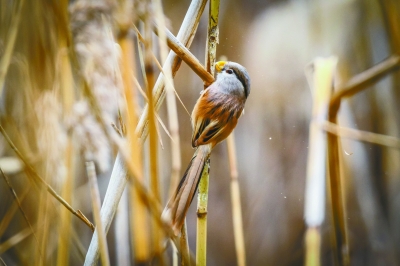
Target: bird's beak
(220, 65)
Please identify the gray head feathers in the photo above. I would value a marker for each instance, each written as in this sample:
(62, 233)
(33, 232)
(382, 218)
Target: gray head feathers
(242, 74)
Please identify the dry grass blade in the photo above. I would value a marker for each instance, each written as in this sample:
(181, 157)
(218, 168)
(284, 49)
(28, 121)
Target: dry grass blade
(15, 239)
(95, 195)
(77, 213)
(360, 135)
(21, 209)
(153, 147)
(168, 80)
(169, 83)
(5, 221)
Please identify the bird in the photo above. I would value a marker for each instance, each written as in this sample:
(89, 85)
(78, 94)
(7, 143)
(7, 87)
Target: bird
(214, 117)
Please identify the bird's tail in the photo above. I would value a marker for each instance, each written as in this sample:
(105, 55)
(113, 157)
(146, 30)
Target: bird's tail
(178, 205)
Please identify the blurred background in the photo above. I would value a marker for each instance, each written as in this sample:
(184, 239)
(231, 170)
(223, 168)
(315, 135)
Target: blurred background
(45, 111)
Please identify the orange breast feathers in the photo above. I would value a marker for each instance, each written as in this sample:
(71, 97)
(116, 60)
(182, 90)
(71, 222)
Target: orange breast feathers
(214, 116)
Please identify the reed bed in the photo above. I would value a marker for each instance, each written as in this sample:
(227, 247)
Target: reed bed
(95, 100)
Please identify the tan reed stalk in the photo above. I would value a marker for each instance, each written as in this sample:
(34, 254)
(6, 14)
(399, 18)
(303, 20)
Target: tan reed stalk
(337, 197)
(171, 101)
(172, 118)
(138, 215)
(316, 166)
(211, 51)
(185, 36)
(184, 243)
(363, 80)
(42, 228)
(201, 233)
(236, 204)
(65, 216)
(185, 55)
(96, 203)
(153, 143)
(66, 83)
(359, 135)
(9, 47)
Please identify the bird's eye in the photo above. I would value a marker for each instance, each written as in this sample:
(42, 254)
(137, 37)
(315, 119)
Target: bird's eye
(229, 71)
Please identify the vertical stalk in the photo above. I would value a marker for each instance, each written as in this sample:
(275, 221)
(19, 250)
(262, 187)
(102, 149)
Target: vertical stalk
(65, 216)
(185, 36)
(184, 242)
(202, 200)
(153, 142)
(211, 50)
(65, 78)
(118, 180)
(337, 198)
(313, 244)
(139, 225)
(170, 98)
(236, 205)
(95, 196)
(316, 165)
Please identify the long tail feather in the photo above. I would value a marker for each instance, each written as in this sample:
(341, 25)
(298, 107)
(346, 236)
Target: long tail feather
(178, 205)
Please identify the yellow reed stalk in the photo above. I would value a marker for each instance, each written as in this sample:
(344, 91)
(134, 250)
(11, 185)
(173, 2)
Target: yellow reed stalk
(65, 216)
(153, 149)
(211, 50)
(316, 166)
(236, 205)
(171, 101)
(313, 244)
(202, 200)
(96, 203)
(138, 215)
(42, 228)
(66, 82)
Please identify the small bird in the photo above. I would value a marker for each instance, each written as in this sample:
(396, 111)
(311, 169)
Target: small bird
(214, 117)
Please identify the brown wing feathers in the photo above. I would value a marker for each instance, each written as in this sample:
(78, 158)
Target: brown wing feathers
(215, 121)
